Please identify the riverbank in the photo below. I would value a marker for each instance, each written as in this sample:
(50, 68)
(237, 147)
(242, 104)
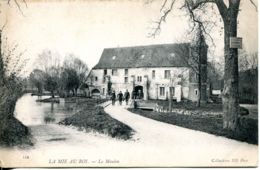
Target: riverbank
(92, 117)
(12, 131)
(15, 134)
(49, 100)
(247, 130)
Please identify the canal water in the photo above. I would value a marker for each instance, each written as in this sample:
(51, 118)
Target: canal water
(30, 112)
(42, 119)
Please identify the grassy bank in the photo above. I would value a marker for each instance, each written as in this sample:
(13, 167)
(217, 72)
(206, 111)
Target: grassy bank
(12, 131)
(49, 100)
(189, 105)
(247, 130)
(93, 117)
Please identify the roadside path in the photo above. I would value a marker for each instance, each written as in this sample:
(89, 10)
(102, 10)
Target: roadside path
(181, 143)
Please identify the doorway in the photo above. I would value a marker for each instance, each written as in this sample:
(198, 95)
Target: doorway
(138, 92)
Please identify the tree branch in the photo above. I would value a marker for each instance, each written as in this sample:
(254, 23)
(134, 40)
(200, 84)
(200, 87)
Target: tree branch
(162, 18)
(198, 21)
(18, 5)
(253, 3)
(164, 3)
(198, 3)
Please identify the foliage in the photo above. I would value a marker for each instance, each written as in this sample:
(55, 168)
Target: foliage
(248, 87)
(12, 132)
(80, 72)
(37, 78)
(51, 80)
(70, 79)
(54, 77)
(247, 61)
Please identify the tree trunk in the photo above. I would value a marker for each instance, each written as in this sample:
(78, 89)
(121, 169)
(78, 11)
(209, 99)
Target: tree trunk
(76, 92)
(199, 88)
(1, 62)
(52, 94)
(230, 95)
(170, 99)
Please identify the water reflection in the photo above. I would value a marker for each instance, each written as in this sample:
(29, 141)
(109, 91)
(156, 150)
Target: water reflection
(30, 112)
(49, 116)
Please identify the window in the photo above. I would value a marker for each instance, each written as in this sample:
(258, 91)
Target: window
(139, 78)
(105, 72)
(162, 91)
(167, 74)
(126, 79)
(104, 79)
(114, 72)
(126, 72)
(172, 91)
(153, 74)
(103, 90)
(196, 92)
(96, 78)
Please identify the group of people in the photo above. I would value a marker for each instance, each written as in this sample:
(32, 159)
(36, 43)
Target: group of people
(120, 96)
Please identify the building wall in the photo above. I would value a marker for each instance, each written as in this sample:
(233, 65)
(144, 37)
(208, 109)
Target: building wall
(180, 77)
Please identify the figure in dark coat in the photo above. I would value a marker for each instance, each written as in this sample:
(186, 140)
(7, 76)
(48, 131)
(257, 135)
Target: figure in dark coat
(126, 96)
(120, 97)
(113, 97)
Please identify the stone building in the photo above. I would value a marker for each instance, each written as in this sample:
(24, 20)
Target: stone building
(148, 72)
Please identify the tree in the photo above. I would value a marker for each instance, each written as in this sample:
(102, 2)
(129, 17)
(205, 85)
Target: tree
(196, 61)
(51, 80)
(109, 86)
(247, 61)
(47, 60)
(72, 62)
(70, 80)
(248, 76)
(49, 63)
(229, 13)
(37, 79)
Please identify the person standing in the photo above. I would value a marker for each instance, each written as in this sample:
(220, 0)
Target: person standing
(120, 97)
(126, 96)
(113, 97)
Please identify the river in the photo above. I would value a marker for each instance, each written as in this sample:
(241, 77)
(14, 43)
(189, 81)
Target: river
(32, 113)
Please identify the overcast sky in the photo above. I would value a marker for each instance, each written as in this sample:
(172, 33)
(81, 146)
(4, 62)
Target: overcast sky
(86, 27)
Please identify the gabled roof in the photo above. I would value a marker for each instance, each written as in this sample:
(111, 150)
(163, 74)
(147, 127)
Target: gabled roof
(163, 55)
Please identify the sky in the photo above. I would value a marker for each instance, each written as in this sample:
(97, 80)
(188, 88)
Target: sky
(85, 28)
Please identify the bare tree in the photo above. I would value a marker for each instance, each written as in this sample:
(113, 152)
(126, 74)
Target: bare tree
(47, 60)
(49, 63)
(72, 62)
(229, 13)
(247, 60)
(37, 79)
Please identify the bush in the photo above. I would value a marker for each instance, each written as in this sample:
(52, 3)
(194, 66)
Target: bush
(12, 131)
(247, 129)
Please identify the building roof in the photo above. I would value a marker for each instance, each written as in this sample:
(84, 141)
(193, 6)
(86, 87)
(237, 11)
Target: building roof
(163, 55)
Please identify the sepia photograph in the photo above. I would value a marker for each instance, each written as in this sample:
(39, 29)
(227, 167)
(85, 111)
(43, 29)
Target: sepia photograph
(128, 83)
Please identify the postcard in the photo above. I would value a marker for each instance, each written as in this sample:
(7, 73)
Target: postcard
(131, 83)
